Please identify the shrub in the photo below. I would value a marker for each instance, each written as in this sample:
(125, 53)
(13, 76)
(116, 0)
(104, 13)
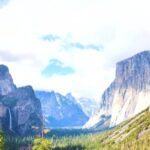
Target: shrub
(42, 144)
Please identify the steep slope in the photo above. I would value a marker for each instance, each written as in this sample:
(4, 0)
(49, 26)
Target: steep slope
(61, 111)
(136, 127)
(19, 108)
(128, 94)
(133, 134)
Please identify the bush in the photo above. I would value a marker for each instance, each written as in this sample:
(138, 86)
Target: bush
(42, 144)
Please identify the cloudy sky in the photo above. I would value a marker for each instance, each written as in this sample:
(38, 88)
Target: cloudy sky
(71, 45)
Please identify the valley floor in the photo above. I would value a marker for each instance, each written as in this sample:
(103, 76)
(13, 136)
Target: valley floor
(133, 134)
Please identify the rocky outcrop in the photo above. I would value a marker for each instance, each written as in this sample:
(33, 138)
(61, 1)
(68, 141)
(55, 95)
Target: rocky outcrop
(20, 110)
(61, 111)
(128, 94)
(6, 82)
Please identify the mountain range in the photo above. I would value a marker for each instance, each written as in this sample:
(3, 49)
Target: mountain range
(22, 108)
(61, 111)
(21, 111)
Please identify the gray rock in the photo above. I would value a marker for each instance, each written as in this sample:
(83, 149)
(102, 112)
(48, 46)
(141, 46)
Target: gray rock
(61, 111)
(6, 81)
(128, 94)
(20, 110)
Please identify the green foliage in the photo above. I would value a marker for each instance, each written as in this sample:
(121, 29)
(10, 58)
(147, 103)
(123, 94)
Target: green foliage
(2, 141)
(13, 143)
(42, 144)
(133, 134)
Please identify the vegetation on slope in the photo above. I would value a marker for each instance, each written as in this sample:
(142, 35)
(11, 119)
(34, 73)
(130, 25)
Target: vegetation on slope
(42, 144)
(133, 134)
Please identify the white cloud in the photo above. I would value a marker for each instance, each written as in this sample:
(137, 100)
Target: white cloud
(121, 27)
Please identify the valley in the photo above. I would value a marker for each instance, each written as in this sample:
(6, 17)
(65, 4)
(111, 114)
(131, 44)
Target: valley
(42, 120)
(74, 75)
(130, 135)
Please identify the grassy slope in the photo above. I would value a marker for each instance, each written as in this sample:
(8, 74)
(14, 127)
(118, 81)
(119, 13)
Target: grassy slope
(133, 134)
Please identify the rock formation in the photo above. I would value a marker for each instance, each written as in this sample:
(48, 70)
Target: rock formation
(61, 111)
(20, 110)
(128, 94)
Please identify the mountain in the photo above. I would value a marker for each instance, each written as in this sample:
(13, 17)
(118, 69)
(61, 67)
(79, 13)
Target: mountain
(88, 105)
(127, 95)
(61, 111)
(20, 110)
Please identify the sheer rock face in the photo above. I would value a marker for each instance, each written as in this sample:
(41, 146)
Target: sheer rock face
(3, 111)
(6, 81)
(128, 94)
(18, 104)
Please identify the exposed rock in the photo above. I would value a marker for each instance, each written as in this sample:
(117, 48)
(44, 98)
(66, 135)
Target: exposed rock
(3, 111)
(128, 94)
(20, 110)
(6, 81)
(61, 111)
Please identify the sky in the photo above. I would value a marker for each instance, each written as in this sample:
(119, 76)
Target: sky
(71, 45)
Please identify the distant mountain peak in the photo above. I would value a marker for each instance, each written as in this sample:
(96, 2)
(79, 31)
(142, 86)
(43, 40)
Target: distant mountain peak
(61, 111)
(3, 70)
(69, 95)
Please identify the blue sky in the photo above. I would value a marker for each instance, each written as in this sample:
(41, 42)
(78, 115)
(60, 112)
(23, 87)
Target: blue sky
(55, 67)
(3, 3)
(71, 45)
(50, 37)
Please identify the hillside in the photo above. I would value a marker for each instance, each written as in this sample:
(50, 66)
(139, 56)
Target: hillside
(133, 134)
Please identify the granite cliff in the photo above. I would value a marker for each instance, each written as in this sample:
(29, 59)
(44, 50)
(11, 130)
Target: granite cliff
(127, 95)
(20, 110)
